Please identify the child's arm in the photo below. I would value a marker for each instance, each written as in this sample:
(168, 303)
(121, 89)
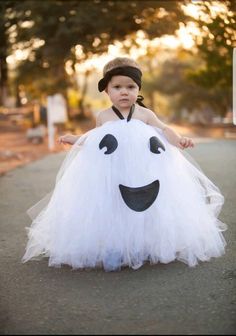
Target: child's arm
(173, 137)
(98, 120)
(68, 139)
(71, 139)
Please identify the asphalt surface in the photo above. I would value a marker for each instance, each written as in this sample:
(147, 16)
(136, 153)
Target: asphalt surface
(156, 299)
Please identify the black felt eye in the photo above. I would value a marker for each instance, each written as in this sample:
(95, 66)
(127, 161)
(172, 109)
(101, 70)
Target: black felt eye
(110, 142)
(155, 145)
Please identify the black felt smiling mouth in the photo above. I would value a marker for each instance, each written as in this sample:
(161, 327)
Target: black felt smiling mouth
(141, 198)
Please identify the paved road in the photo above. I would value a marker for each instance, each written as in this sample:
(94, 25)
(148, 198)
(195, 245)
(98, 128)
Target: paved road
(158, 299)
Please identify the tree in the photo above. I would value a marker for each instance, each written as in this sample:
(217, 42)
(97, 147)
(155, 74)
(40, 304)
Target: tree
(215, 47)
(202, 77)
(5, 23)
(92, 24)
(170, 78)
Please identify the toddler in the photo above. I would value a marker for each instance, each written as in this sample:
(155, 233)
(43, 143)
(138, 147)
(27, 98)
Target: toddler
(125, 194)
(123, 88)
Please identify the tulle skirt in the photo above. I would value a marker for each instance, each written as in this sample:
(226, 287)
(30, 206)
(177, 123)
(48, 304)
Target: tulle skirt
(124, 196)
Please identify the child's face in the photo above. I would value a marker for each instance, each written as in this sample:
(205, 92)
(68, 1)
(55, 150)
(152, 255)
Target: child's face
(123, 91)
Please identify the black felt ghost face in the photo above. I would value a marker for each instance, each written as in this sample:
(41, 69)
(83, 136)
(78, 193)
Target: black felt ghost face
(140, 198)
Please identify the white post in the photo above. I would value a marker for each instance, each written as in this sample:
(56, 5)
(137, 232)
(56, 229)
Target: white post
(56, 113)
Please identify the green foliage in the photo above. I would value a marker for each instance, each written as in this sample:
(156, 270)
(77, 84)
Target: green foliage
(93, 24)
(201, 78)
(4, 47)
(173, 79)
(216, 50)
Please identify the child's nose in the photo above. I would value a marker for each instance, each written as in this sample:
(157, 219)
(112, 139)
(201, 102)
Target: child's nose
(124, 91)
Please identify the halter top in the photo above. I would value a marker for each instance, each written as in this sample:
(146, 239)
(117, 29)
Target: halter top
(119, 114)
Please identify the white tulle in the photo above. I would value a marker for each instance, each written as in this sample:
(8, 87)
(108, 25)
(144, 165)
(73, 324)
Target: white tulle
(85, 222)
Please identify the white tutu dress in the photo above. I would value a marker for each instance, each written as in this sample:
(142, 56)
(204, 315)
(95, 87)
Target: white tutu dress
(123, 196)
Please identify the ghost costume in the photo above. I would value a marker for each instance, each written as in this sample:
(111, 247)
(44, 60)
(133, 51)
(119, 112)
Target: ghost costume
(124, 196)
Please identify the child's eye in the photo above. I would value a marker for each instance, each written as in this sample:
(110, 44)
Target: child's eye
(155, 145)
(131, 87)
(110, 142)
(117, 86)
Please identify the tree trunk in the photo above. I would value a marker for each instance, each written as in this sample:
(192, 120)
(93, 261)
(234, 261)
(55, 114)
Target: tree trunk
(83, 94)
(17, 95)
(3, 74)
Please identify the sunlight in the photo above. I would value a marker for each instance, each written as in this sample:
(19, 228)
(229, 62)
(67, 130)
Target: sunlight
(186, 33)
(19, 55)
(183, 38)
(22, 53)
(194, 9)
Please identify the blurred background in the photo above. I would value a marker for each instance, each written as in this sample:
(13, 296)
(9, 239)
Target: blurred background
(52, 54)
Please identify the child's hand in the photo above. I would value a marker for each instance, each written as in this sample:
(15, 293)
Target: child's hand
(177, 140)
(185, 142)
(67, 139)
